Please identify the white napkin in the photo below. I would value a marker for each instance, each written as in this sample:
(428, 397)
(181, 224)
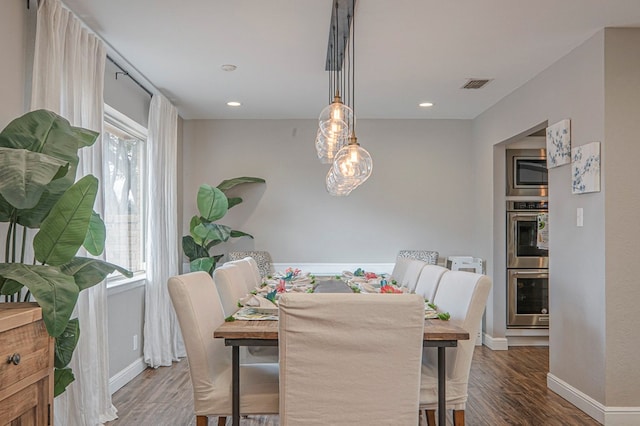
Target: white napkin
(369, 288)
(256, 301)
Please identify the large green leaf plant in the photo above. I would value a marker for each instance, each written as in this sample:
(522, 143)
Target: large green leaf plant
(38, 190)
(204, 234)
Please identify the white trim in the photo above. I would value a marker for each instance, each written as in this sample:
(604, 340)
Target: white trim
(335, 268)
(621, 416)
(117, 119)
(608, 416)
(528, 340)
(127, 374)
(495, 343)
(121, 285)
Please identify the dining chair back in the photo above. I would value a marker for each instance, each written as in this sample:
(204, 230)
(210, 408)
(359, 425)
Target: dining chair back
(464, 295)
(428, 281)
(334, 369)
(429, 256)
(199, 311)
(250, 273)
(400, 268)
(411, 275)
(230, 284)
(262, 258)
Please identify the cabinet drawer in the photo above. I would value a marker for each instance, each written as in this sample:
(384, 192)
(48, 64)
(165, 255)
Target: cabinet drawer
(31, 343)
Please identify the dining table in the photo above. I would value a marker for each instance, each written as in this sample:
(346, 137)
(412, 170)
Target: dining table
(437, 333)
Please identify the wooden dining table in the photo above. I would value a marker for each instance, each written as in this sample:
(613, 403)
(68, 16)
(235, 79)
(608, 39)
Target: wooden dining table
(437, 333)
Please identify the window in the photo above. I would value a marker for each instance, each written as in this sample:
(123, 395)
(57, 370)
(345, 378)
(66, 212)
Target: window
(124, 171)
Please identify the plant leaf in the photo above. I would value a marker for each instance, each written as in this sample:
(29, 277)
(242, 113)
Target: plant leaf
(9, 287)
(66, 343)
(230, 183)
(234, 201)
(96, 235)
(212, 203)
(47, 133)
(238, 234)
(191, 249)
(64, 230)
(5, 210)
(205, 264)
(62, 377)
(88, 272)
(213, 243)
(212, 232)
(55, 292)
(24, 175)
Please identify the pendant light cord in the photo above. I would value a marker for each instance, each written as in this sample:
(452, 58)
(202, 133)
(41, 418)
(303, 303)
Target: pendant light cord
(353, 65)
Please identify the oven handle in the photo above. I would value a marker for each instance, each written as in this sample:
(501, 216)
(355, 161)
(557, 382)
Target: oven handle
(527, 272)
(526, 215)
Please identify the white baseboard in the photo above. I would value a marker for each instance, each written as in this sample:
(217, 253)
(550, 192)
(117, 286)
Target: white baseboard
(528, 340)
(495, 343)
(335, 268)
(127, 374)
(608, 416)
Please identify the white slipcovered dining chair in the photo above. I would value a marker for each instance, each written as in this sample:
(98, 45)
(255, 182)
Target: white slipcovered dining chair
(428, 281)
(230, 282)
(411, 275)
(199, 313)
(250, 272)
(343, 361)
(400, 268)
(262, 258)
(464, 296)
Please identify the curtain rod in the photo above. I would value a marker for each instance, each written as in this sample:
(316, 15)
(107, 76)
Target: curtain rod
(126, 73)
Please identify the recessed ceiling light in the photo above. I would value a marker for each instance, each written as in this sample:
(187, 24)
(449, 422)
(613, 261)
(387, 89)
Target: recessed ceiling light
(229, 67)
(234, 103)
(425, 104)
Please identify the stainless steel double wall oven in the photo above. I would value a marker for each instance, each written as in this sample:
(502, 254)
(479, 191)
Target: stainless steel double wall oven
(527, 267)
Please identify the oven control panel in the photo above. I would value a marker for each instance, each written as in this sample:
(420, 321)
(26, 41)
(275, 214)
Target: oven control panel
(518, 206)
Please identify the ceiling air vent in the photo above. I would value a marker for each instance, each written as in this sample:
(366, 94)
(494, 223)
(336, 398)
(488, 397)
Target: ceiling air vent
(476, 83)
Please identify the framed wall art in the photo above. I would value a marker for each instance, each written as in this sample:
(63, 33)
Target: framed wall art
(559, 144)
(585, 168)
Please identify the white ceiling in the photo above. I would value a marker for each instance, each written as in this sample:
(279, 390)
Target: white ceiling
(407, 51)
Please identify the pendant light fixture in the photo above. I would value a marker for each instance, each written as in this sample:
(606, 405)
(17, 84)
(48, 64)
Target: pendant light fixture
(335, 121)
(352, 164)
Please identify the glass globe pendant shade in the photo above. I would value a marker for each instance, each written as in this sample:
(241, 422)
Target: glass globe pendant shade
(353, 163)
(339, 187)
(336, 119)
(328, 146)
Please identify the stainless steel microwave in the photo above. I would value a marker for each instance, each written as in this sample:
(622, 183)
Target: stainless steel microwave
(527, 172)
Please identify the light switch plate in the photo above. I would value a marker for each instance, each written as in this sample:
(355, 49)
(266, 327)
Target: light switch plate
(579, 217)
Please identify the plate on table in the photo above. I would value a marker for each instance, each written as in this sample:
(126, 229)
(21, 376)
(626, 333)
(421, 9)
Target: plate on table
(268, 310)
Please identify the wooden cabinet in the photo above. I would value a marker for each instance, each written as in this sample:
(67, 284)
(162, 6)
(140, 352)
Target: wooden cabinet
(26, 366)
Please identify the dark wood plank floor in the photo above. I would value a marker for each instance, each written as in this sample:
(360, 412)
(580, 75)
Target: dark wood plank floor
(505, 388)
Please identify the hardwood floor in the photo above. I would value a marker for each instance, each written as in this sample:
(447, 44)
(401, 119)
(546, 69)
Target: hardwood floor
(505, 388)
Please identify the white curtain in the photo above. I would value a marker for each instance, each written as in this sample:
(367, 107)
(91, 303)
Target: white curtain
(162, 340)
(68, 78)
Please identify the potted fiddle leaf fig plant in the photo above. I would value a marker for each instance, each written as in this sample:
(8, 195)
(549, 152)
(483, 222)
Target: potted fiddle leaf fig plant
(204, 233)
(38, 161)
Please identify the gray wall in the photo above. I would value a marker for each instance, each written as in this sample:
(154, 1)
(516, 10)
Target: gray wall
(622, 229)
(417, 197)
(14, 45)
(592, 343)
(123, 94)
(126, 319)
